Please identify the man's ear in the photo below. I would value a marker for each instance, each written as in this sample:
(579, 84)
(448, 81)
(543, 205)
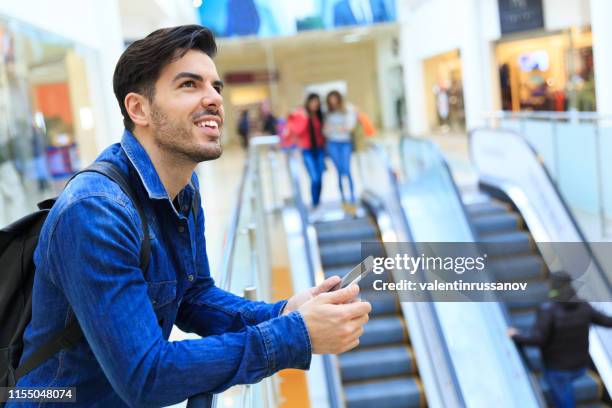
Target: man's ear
(138, 107)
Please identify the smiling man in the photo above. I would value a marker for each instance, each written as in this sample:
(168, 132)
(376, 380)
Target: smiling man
(90, 269)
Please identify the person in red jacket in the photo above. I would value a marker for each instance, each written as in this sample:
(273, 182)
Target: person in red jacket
(305, 126)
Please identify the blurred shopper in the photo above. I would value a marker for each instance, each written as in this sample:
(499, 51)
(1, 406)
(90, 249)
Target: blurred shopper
(307, 127)
(562, 333)
(340, 121)
(268, 120)
(243, 128)
(88, 257)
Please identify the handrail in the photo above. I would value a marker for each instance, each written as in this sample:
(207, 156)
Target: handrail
(396, 196)
(547, 115)
(564, 204)
(505, 187)
(442, 160)
(331, 374)
(225, 278)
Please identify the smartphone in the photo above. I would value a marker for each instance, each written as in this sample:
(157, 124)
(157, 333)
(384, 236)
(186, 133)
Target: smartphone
(363, 269)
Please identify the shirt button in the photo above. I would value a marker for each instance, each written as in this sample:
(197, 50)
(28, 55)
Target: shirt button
(190, 278)
(181, 228)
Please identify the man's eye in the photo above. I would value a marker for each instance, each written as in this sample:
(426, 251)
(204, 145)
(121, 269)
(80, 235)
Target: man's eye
(188, 84)
(219, 89)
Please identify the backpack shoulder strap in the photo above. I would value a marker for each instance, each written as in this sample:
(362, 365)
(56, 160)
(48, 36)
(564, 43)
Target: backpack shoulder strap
(72, 334)
(111, 171)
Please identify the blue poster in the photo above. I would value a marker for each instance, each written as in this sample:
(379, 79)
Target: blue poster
(267, 18)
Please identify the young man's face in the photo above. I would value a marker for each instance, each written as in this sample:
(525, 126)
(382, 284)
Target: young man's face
(187, 110)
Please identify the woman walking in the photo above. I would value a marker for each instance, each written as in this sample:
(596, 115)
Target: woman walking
(307, 125)
(339, 123)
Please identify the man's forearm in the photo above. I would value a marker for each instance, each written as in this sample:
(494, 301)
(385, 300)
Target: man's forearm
(228, 311)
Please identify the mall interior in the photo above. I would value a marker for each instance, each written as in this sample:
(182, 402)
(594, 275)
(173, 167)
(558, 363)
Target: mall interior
(478, 121)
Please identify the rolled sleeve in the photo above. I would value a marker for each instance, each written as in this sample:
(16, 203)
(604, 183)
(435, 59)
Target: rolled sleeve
(286, 342)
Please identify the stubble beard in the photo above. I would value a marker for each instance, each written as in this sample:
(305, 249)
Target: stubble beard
(177, 139)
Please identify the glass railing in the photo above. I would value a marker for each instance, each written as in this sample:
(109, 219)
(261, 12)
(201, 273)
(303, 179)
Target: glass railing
(246, 268)
(576, 148)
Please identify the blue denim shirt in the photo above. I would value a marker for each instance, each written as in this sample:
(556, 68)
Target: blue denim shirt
(87, 264)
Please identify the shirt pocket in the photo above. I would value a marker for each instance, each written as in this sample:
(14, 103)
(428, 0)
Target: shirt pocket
(161, 293)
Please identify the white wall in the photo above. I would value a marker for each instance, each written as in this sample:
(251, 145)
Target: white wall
(95, 26)
(387, 65)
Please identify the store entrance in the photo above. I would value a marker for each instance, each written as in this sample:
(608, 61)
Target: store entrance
(549, 73)
(444, 92)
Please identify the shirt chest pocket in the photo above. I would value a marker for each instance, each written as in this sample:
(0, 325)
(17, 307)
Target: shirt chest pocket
(161, 294)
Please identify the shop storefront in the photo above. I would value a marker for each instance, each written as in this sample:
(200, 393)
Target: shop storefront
(444, 92)
(45, 116)
(548, 72)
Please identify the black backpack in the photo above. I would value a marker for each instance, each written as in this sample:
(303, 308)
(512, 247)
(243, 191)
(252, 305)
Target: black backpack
(17, 244)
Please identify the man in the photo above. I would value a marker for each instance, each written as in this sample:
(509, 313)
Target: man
(88, 256)
(562, 332)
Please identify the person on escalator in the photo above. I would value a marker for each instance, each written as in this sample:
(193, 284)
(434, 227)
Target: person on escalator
(306, 125)
(561, 331)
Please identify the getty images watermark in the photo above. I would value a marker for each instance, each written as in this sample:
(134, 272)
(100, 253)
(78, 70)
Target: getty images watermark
(515, 272)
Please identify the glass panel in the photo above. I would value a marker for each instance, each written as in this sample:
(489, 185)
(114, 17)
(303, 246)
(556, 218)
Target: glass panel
(540, 134)
(44, 113)
(578, 166)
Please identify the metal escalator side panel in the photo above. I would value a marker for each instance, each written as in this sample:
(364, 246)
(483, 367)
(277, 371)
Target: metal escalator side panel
(549, 219)
(469, 329)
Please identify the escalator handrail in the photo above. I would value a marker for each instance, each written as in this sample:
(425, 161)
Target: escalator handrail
(225, 277)
(559, 196)
(331, 373)
(446, 167)
(394, 180)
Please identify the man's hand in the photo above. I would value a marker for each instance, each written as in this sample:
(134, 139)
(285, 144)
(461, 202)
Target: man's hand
(334, 325)
(299, 299)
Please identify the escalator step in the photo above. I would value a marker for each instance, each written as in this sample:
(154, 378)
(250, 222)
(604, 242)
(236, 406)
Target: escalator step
(534, 358)
(394, 393)
(586, 388)
(343, 253)
(365, 232)
(486, 207)
(383, 330)
(523, 320)
(496, 223)
(376, 363)
(507, 243)
(383, 302)
(340, 253)
(343, 224)
(518, 268)
(535, 294)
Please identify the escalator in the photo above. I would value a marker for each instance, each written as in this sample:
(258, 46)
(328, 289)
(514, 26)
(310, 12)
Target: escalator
(514, 256)
(382, 371)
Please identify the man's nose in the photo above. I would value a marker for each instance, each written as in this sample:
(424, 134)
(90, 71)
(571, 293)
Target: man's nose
(212, 98)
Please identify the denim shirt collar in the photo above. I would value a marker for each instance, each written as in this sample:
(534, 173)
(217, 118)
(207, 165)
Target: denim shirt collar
(141, 161)
(144, 166)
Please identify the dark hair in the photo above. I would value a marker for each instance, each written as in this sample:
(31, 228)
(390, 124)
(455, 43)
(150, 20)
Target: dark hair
(338, 96)
(141, 63)
(309, 98)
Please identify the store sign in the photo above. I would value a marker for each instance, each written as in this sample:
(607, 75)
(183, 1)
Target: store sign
(520, 15)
